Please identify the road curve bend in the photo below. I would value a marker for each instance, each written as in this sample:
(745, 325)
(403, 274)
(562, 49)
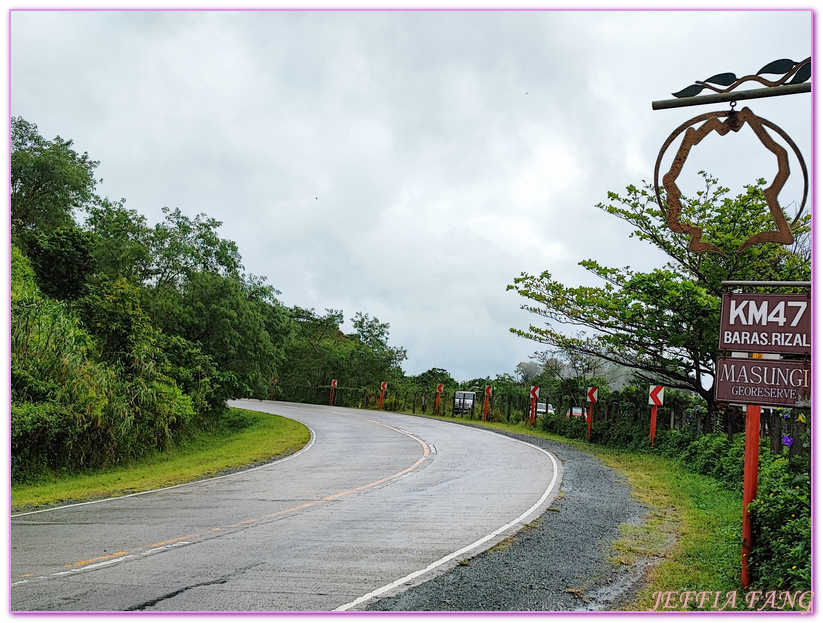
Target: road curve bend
(379, 502)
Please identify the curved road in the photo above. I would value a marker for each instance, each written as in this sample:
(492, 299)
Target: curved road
(375, 503)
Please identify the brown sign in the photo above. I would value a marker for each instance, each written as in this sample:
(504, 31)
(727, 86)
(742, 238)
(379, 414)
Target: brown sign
(766, 323)
(767, 382)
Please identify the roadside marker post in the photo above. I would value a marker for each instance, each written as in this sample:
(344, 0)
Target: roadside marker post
(437, 399)
(655, 400)
(331, 393)
(591, 395)
(383, 386)
(486, 403)
(535, 392)
(765, 327)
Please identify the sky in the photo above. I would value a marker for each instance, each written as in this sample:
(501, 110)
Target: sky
(404, 164)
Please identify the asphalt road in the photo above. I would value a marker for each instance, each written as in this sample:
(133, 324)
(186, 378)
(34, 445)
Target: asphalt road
(377, 502)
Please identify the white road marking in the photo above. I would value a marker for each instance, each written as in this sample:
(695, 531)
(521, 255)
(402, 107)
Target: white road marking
(184, 484)
(468, 548)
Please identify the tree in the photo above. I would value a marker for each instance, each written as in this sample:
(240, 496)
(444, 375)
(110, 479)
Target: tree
(49, 180)
(433, 377)
(664, 324)
(122, 247)
(63, 261)
(231, 323)
(375, 335)
(165, 255)
(527, 370)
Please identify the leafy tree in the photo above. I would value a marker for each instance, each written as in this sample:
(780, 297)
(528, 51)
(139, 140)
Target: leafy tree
(230, 322)
(320, 351)
(433, 377)
(49, 180)
(63, 261)
(527, 370)
(122, 247)
(162, 256)
(375, 335)
(664, 324)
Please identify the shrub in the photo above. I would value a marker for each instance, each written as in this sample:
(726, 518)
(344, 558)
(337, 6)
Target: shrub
(781, 523)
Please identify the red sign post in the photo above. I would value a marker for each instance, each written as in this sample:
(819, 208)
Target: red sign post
(331, 393)
(437, 399)
(535, 392)
(655, 400)
(592, 398)
(762, 323)
(486, 403)
(383, 387)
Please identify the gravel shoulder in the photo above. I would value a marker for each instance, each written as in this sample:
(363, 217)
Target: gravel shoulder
(558, 563)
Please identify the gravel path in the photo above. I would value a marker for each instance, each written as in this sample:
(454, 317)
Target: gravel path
(558, 563)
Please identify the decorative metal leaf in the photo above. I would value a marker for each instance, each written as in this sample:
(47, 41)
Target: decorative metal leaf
(689, 91)
(803, 74)
(780, 66)
(724, 80)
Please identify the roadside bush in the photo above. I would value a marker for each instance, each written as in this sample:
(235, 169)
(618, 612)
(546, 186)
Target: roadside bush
(572, 427)
(673, 443)
(705, 453)
(781, 523)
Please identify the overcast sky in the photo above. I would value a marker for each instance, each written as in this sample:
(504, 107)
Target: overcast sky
(406, 164)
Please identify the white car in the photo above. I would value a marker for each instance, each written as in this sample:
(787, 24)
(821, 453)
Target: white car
(463, 402)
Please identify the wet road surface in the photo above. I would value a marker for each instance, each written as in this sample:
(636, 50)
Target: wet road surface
(375, 503)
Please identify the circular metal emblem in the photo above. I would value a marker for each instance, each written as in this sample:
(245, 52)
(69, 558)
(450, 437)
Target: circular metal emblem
(734, 122)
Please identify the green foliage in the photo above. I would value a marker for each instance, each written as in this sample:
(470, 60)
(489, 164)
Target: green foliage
(63, 261)
(122, 246)
(49, 180)
(715, 456)
(240, 330)
(124, 332)
(664, 323)
(319, 352)
(431, 378)
(781, 521)
(23, 279)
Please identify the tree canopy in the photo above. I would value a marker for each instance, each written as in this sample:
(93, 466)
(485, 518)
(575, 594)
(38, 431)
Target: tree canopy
(49, 180)
(664, 323)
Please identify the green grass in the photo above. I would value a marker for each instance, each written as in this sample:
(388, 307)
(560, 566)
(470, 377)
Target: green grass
(247, 437)
(692, 531)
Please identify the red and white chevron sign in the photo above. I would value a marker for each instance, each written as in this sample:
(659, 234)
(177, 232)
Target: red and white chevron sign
(488, 390)
(334, 382)
(383, 386)
(656, 395)
(535, 392)
(592, 394)
(440, 388)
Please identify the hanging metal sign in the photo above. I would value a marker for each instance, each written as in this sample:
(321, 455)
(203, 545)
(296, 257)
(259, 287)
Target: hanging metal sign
(734, 122)
(766, 323)
(765, 382)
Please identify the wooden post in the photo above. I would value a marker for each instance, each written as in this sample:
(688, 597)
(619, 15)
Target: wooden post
(751, 453)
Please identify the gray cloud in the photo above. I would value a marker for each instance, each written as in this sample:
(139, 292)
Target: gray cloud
(404, 164)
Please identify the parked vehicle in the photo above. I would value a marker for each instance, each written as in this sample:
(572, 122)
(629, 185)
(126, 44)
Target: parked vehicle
(463, 402)
(541, 408)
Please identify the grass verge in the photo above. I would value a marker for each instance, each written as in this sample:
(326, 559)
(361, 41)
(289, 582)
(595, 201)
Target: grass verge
(246, 437)
(692, 531)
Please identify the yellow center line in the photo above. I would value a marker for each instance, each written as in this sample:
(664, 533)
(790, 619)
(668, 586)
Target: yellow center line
(293, 509)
